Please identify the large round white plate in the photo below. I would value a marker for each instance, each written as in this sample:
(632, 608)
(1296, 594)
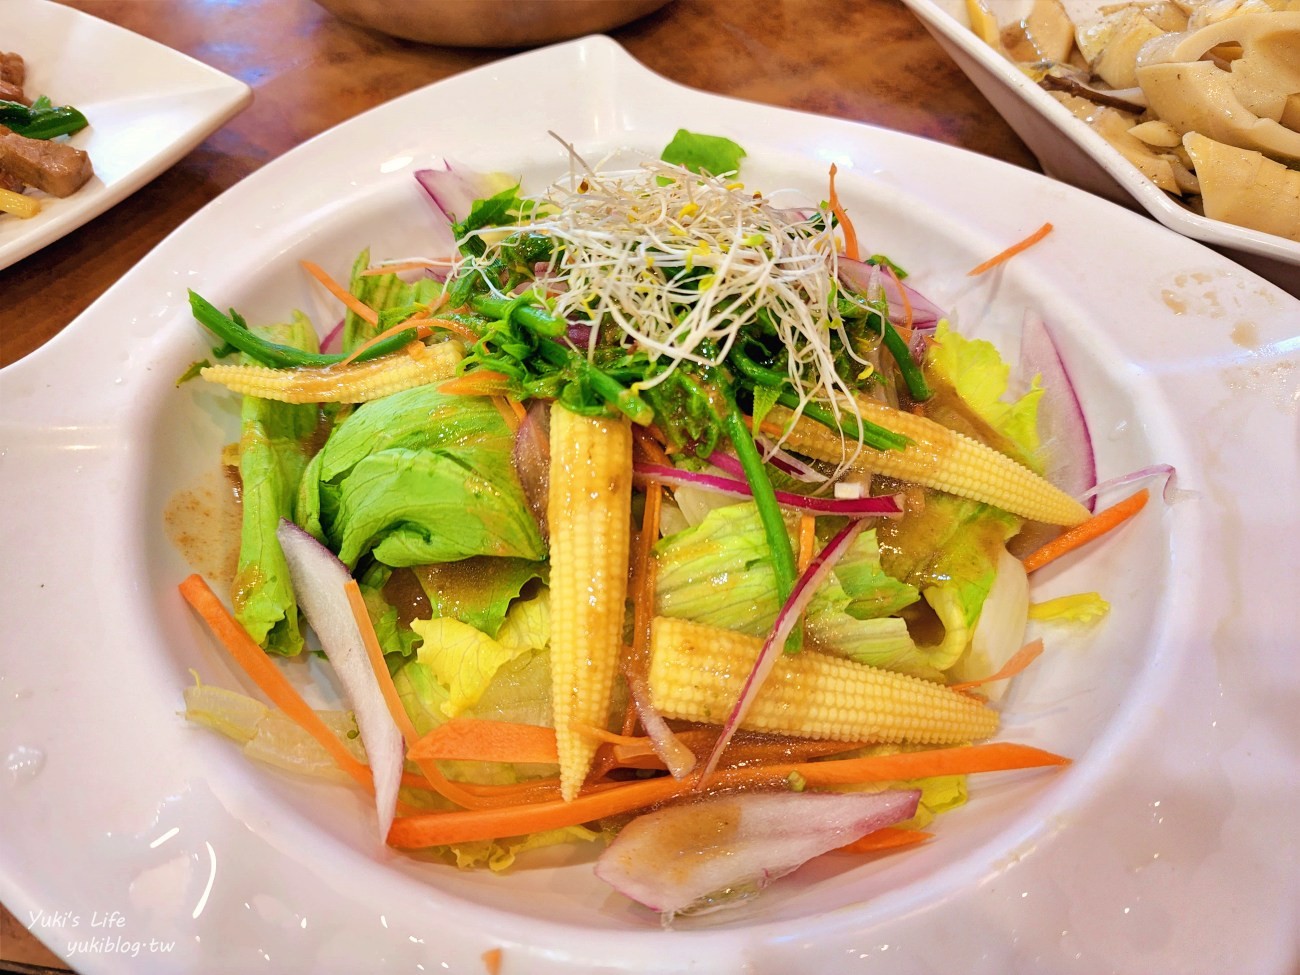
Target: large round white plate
(147, 105)
(1167, 847)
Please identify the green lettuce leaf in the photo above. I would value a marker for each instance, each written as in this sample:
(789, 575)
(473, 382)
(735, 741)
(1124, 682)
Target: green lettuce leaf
(394, 638)
(274, 442)
(420, 477)
(974, 370)
(498, 855)
(478, 590)
(703, 153)
(719, 572)
(382, 292)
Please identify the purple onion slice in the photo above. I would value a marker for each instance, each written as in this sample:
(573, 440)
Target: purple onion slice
(318, 580)
(717, 852)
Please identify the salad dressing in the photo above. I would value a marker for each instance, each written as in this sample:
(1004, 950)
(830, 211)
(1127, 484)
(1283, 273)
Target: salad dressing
(202, 523)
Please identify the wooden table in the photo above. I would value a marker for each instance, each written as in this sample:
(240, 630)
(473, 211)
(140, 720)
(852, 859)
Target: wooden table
(865, 60)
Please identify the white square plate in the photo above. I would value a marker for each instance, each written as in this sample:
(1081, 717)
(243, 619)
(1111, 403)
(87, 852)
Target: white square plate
(147, 105)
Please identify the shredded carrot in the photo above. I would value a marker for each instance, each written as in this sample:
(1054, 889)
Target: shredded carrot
(411, 265)
(423, 325)
(643, 584)
(807, 541)
(1011, 251)
(437, 829)
(905, 330)
(520, 411)
(1017, 662)
(476, 739)
(511, 418)
(267, 676)
(360, 308)
(478, 382)
(1096, 526)
(375, 654)
(885, 838)
(650, 441)
(492, 961)
(850, 235)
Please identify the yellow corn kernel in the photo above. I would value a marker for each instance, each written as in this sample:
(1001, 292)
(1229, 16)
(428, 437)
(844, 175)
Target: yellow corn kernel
(589, 510)
(697, 672)
(942, 459)
(357, 382)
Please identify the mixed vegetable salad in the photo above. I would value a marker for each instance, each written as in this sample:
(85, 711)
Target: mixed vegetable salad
(644, 511)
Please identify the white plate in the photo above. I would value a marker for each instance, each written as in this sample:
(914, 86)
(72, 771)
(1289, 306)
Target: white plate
(1163, 849)
(1071, 151)
(147, 104)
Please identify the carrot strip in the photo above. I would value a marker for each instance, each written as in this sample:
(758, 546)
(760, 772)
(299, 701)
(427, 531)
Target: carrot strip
(885, 838)
(643, 587)
(359, 307)
(375, 654)
(423, 325)
(905, 330)
(479, 740)
(520, 411)
(267, 676)
(1017, 662)
(850, 235)
(608, 737)
(807, 541)
(1011, 251)
(412, 265)
(503, 405)
(647, 441)
(437, 829)
(478, 382)
(1096, 526)
(492, 961)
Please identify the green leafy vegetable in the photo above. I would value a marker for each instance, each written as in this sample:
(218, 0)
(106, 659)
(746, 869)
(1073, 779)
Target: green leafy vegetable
(41, 120)
(713, 154)
(273, 450)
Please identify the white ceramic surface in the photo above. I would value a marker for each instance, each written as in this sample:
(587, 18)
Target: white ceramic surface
(1168, 847)
(1072, 152)
(147, 105)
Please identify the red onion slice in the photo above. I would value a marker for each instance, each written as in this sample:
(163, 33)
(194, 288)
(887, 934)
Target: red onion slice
(882, 506)
(863, 277)
(452, 194)
(804, 588)
(1067, 445)
(318, 581)
(679, 759)
(717, 852)
(532, 458)
(1170, 492)
(333, 341)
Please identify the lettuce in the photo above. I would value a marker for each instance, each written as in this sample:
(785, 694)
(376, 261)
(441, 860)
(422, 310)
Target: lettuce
(703, 153)
(274, 441)
(477, 590)
(498, 855)
(974, 370)
(419, 477)
(382, 292)
(719, 572)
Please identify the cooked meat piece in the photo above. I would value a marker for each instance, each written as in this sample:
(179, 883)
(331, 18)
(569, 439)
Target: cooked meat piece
(55, 167)
(10, 182)
(12, 69)
(13, 93)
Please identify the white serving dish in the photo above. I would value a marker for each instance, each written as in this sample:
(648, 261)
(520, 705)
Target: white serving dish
(1070, 151)
(147, 105)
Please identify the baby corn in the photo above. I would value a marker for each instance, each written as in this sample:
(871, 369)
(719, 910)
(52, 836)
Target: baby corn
(359, 382)
(942, 459)
(589, 510)
(697, 672)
